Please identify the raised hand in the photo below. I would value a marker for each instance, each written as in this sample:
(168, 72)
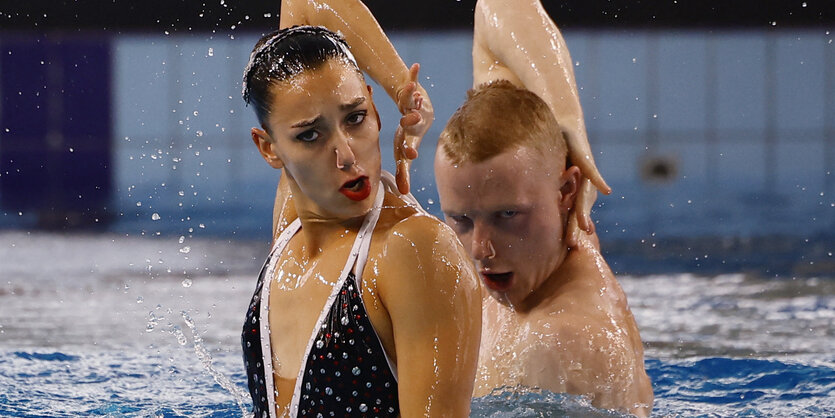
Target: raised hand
(579, 217)
(418, 114)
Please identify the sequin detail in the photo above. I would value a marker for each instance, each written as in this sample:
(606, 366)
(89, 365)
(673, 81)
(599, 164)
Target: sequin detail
(346, 371)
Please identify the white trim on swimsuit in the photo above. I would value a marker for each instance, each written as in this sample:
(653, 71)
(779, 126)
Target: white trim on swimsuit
(357, 257)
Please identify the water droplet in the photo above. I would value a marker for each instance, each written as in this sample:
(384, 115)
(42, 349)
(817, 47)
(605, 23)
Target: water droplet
(356, 371)
(364, 407)
(328, 391)
(185, 250)
(187, 282)
(155, 216)
(181, 338)
(211, 52)
(320, 344)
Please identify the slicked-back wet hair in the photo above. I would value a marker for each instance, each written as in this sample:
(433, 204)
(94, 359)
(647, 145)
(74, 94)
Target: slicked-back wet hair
(280, 55)
(497, 117)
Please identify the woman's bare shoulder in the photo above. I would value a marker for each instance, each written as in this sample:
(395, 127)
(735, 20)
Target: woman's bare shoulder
(412, 240)
(400, 217)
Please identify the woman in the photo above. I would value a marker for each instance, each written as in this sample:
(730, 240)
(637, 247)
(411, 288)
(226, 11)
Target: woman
(365, 306)
(378, 58)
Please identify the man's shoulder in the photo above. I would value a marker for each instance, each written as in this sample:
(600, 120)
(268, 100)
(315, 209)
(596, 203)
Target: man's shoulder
(585, 316)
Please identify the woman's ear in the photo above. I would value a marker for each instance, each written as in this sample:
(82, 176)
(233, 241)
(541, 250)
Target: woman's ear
(569, 186)
(264, 143)
(373, 107)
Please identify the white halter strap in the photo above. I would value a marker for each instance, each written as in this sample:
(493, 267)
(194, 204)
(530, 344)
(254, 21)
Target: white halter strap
(356, 261)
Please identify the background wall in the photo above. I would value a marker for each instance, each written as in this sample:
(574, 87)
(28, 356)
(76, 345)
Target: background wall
(701, 133)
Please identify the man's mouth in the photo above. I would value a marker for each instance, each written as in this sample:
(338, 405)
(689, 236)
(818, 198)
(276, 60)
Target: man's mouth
(357, 189)
(499, 282)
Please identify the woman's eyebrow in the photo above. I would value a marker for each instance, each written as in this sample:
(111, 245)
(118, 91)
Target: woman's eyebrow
(347, 106)
(308, 122)
(354, 103)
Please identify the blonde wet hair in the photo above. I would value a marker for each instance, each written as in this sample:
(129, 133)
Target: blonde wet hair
(497, 117)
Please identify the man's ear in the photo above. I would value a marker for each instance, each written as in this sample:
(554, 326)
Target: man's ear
(569, 186)
(264, 143)
(373, 107)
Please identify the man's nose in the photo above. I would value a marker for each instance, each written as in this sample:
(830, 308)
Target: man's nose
(482, 247)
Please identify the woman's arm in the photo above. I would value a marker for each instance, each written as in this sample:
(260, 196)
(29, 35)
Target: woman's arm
(364, 35)
(433, 299)
(519, 41)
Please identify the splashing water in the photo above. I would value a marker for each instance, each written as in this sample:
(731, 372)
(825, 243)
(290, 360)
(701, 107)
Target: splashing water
(202, 353)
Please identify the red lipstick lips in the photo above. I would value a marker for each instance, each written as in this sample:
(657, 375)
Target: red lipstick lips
(499, 282)
(357, 189)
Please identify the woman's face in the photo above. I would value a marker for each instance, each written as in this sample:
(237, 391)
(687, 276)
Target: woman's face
(324, 133)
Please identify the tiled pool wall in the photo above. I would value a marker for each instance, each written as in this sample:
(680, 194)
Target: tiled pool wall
(700, 133)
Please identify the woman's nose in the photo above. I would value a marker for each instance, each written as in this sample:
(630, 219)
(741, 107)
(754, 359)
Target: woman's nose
(345, 157)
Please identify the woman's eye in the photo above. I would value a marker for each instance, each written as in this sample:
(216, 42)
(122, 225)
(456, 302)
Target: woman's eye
(356, 118)
(308, 136)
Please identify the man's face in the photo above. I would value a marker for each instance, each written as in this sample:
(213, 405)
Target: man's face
(509, 213)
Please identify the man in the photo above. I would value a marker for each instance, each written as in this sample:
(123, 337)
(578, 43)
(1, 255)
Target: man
(554, 316)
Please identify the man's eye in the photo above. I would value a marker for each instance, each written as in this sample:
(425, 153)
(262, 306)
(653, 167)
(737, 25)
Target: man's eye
(308, 136)
(507, 214)
(356, 118)
(461, 222)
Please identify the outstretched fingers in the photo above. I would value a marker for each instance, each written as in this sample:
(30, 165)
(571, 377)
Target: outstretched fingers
(404, 152)
(580, 225)
(418, 115)
(583, 203)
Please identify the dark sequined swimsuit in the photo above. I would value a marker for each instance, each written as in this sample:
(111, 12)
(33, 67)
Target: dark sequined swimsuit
(346, 371)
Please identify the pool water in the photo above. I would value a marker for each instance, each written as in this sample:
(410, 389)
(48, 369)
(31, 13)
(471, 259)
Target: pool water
(109, 325)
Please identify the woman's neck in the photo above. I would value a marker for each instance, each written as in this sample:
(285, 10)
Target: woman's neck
(317, 231)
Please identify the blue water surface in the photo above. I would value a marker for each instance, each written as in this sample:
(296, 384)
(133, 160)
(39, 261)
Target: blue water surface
(155, 384)
(151, 328)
